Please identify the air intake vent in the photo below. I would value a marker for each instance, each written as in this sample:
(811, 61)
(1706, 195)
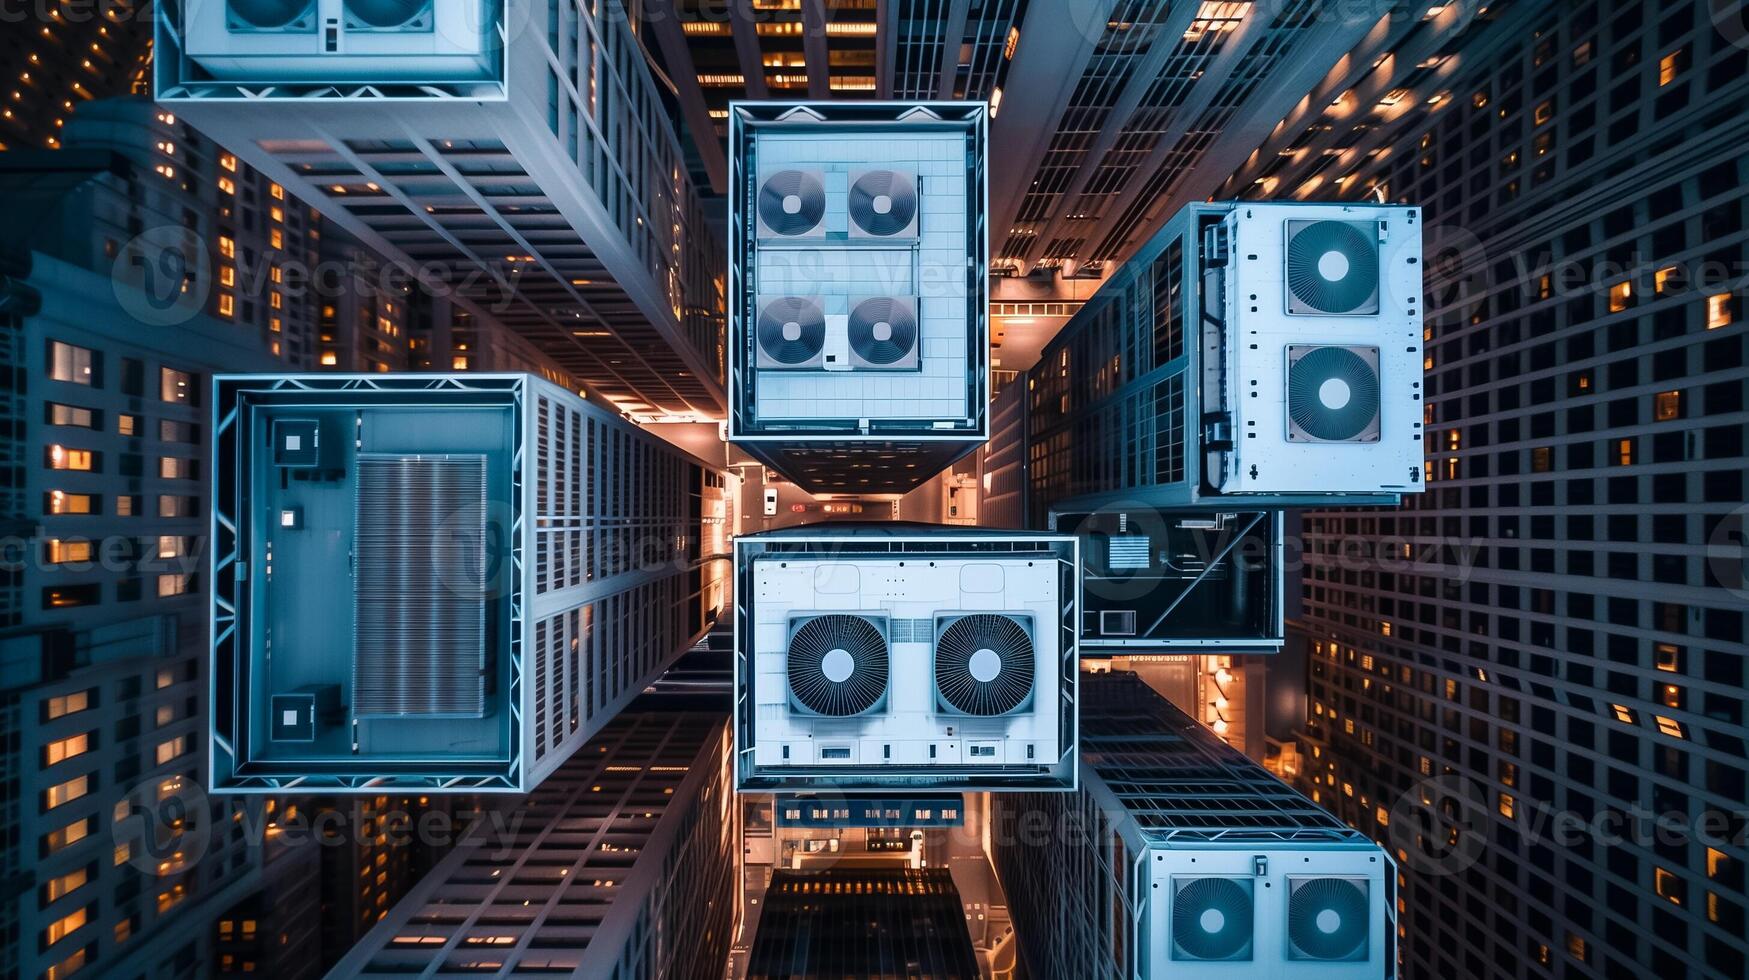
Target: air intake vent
(791, 205)
(1211, 918)
(837, 665)
(270, 16)
(984, 663)
(1333, 268)
(791, 332)
(883, 334)
(883, 204)
(419, 637)
(1332, 394)
(1327, 918)
(400, 16)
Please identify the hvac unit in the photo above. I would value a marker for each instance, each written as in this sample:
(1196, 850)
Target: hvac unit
(837, 664)
(1312, 374)
(792, 205)
(883, 204)
(882, 333)
(1212, 918)
(865, 663)
(1328, 919)
(984, 664)
(339, 41)
(791, 333)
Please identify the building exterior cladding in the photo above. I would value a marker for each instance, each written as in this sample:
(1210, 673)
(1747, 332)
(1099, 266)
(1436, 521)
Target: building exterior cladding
(101, 625)
(620, 865)
(553, 196)
(1558, 634)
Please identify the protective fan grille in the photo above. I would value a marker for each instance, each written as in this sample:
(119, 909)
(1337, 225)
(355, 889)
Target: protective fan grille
(389, 15)
(838, 665)
(883, 202)
(1211, 919)
(792, 329)
(1327, 919)
(1333, 267)
(269, 15)
(792, 202)
(1333, 394)
(883, 330)
(984, 664)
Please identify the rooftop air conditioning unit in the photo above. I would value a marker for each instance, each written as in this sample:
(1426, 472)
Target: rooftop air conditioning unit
(871, 661)
(341, 41)
(882, 333)
(1315, 368)
(791, 334)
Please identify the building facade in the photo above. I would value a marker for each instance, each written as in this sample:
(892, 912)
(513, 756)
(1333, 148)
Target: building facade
(1553, 634)
(620, 865)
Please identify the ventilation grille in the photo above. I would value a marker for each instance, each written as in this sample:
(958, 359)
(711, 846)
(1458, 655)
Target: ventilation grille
(1332, 394)
(1211, 918)
(984, 664)
(1333, 268)
(791, 204)
(400, 16)
(1328, 918)
(837, 665)
(913, 630)
(274, 16)
(883, 333)
(420, 590)
(883, 204)
(791, 332)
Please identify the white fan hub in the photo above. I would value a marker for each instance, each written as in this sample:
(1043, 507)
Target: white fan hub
(1212, 920)
(793, 331)
(1333, 266)
(882, 331)
(1329, 921)
(837, 665)
(882, 204)
(1334, 393)
(792, 204)
(985, 665)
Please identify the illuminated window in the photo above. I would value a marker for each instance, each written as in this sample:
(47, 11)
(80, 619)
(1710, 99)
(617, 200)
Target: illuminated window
(73, 833)
(61, 502)
(59, 551)
(459, 363)
(1669, 67)
(276, 238)
(1623, 713)
(66, 792)
(175, 386)
(165, 678)
(174, 584)
(63, 885)
(1670, 726)
(1669, 885)
(329, 358)
(72, 364)
(127, 425)
(62, 458)
(62, 749)
(1666, 279)
(1541, 459)
(227, 247)
(127, 505)
(227, 275)
(1718, 311)
(227, 185)
(1507, 805)
(1624, 452)
(1667, 405)
(277, 192)
(1620, 295)
(228, 161)
(1668, 657)
(66, 704)
(227, 305)
(171, 749)
(65, 926)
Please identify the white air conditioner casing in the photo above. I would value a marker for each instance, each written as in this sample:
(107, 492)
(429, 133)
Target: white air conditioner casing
(787, 197)
(1270, 875)
(882, 204)
(263, 41)
(1323, 322)
(912, 728)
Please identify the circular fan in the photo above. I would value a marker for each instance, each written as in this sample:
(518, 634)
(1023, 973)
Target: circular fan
(1332, 394)
(1211, 920)
(792, 202)
(267, 14)
(1332, 267)
(984, 664)
(1327, 919)
(883, 330)
(385, 13)
(792, 329)
(838, 665)
(883, 202)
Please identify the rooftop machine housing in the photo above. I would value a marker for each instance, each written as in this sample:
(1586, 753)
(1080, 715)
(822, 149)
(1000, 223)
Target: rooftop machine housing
(859, 335)
(894, 657)
(412, 587)
(1211, 867)
(1268, 355)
